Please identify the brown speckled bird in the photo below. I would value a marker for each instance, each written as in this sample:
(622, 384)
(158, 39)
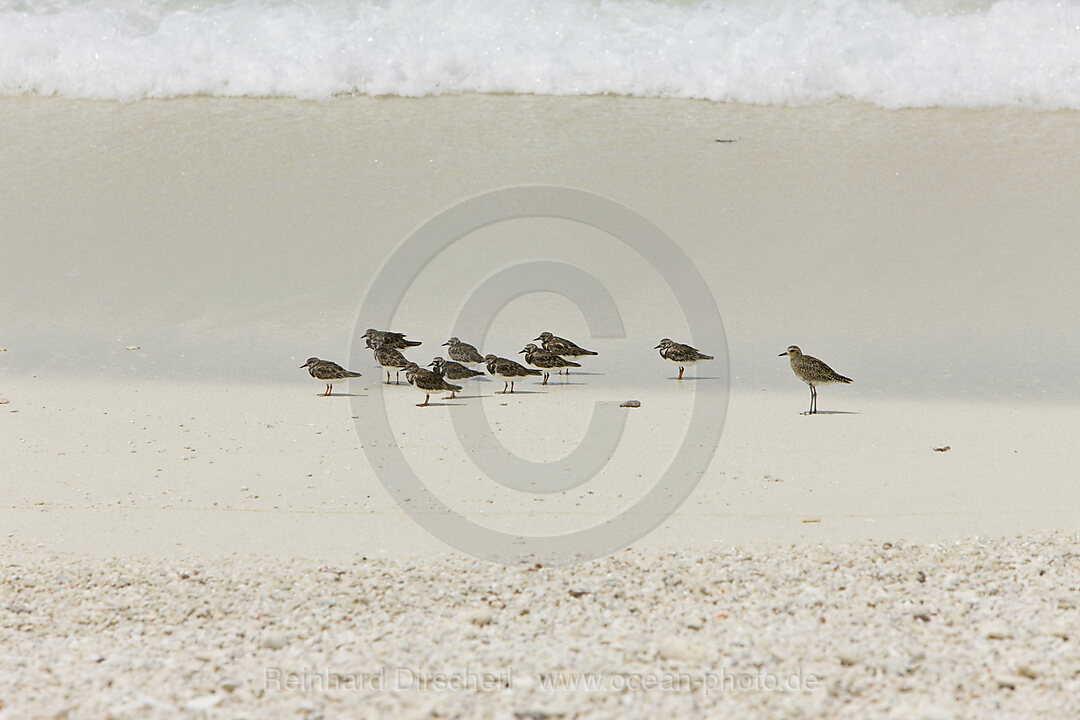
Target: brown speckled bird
(388, 338)
(463, 352)
(427, 381)
(812, 372)
(681, 355)
(508, 369)
(389, 357)
(453, 371)
(327, 373)
(546, 361)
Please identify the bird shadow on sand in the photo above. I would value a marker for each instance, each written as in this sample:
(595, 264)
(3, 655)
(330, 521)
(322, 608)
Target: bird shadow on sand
(466, 397)
(581, 372)
(441, 404)
(334, 394)
(520, 392)
(832, 412)
(694, 377)
(552, 383)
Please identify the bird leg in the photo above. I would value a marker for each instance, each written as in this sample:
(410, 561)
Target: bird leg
(387, 377)
(327, 393)
(511, 386)
(506, 384)
(545, 379)
(424, 404)
(680, 371)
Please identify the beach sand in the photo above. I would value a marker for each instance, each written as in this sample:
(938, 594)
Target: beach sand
(169, 265)
(967, 630)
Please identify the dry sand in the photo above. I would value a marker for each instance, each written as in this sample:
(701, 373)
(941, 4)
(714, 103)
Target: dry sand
(153, 469)
(969, 629)
(180, 517)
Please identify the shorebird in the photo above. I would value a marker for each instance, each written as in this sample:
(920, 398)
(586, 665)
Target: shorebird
(388, 357)
(546, 361)
(327, 372)
(812, 372)
(463, 352)
(388, 338)
(508, 369)
(427, 382)
(561, 346)
(681, 355)
(453, 371)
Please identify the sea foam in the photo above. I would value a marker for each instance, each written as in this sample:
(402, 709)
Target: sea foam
(1009, 53)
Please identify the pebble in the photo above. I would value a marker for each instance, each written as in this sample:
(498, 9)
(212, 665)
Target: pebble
(480, 618)
(133, 347)
(275, 640)
(674, 647)
(630, 403)
(202, 704)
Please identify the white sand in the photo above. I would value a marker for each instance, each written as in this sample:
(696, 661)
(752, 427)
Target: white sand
(103, 468)
(956, 630)
(927, 254)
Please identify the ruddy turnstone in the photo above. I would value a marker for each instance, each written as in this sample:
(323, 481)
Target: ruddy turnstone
(453, 371)
(681, 355)
(561, 346)
(508, 369)
(427, 381)
(546, 361)
(327, 373)
(463, 352)
(388, 357)
(388, 338)
(812, 372)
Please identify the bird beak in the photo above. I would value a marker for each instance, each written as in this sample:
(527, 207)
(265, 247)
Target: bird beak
(782, 354)
(657, 347)
(445, 343)
(535, 339)
(522, 350)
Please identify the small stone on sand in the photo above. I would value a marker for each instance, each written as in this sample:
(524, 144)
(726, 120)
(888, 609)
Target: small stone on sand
(275, 641)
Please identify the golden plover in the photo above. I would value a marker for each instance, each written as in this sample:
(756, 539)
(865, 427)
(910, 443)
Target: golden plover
(812, 372)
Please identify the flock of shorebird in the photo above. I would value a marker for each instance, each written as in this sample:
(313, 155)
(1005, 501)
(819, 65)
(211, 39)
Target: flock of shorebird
(550, 356)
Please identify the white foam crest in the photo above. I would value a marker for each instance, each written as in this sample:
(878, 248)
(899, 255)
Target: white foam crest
(1010, 53)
